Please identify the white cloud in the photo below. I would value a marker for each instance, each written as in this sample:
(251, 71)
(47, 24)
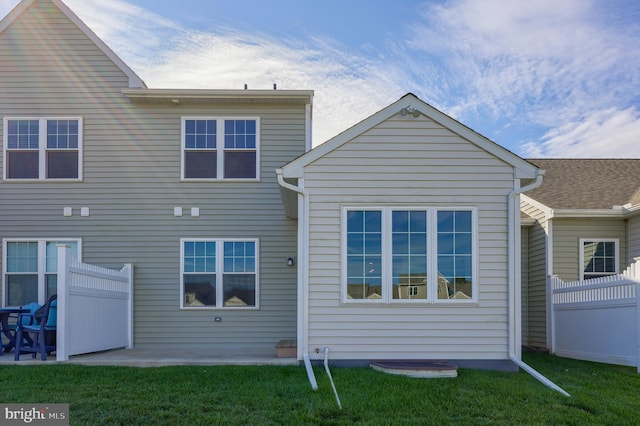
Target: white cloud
(542, 63)
(610, 133)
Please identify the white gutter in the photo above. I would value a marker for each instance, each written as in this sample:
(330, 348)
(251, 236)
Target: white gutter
(302, 263)
(515, 297)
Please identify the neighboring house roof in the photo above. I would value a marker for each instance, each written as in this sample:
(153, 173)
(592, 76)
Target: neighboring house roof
(588, 184)
(134, 79)
(411, 104)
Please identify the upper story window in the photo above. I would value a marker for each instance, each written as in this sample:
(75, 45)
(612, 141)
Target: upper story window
(409, 254)
(598, 258)
(220, 148)
(42, 148)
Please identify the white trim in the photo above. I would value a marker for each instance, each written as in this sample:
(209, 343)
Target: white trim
(387, 254)
(220, 149)
(616, 242)
(219, 273)
(42, 148)
(42, 258)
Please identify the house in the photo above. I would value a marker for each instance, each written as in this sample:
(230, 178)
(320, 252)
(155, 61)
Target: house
(396, 239)
(407, 241)
(583, 222)
(179, 183)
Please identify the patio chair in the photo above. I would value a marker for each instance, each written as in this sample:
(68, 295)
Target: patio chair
(32, 330)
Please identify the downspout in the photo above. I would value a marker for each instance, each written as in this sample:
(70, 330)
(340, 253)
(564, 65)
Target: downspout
(515, 342)
(303, 273)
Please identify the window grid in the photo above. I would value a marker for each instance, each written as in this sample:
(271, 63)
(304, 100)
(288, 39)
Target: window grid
(217, 148)
(426, 254)
(42, 148)
(219, 273)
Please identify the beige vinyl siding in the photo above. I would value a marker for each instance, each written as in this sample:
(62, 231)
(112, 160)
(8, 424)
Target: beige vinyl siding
(535, 284)
(566, 242)
(633, 229)
(132, 183)
(408, 161)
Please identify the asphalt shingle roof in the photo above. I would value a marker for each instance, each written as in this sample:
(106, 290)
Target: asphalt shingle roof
(588, 184)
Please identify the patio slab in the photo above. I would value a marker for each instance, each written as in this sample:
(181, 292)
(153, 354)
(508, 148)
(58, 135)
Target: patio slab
(153, 357)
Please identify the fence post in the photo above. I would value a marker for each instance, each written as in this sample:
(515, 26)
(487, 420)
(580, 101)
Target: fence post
(129, 269)
(638, 325)
(551, 327)
(64, 256)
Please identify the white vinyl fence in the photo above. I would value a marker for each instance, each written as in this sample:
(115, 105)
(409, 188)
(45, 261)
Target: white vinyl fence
(95, 307)
(597, 319)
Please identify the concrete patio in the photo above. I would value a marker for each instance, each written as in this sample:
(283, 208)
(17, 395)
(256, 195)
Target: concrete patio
(145, 357)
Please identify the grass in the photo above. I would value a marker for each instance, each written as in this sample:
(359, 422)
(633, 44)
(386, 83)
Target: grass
(601, 394)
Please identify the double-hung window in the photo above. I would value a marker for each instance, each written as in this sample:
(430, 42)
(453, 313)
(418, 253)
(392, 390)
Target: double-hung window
(396, 254)
(220, 148)
(598, 258)
(30, 269)
(219, 273)
(43, 148)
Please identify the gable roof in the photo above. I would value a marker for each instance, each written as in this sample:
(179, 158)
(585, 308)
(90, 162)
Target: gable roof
(411, 104)
(588, 183)
(134, 79)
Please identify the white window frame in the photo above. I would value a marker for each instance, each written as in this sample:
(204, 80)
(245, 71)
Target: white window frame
(220, 149)
(220, 273)
(387, 255)
(42, 262)
(42, 149)
(616, 242)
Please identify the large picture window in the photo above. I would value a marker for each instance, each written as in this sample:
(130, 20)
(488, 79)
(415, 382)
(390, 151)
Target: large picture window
(219, 273)
(396, 254)
(30, 271)
(598, 258)
(220, 148)
(42, 148)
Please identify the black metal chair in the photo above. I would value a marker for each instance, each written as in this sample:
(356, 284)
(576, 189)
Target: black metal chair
(35, 329)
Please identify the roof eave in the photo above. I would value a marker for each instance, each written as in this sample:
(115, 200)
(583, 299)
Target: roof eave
(179, 96)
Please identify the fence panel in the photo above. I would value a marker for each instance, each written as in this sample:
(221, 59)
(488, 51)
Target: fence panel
(95, 307)
(596, 320)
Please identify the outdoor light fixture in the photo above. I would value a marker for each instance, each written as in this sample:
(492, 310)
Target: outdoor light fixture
(410, 110)
(291, 261)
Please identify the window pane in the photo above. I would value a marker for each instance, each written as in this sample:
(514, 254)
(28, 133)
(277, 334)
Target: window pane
(409, 244)
(239, 164)
(455, 247)
(240, 134)
(239, 256)
(62, 134)
(200, 134)
(22, 164)
(199, 289)
(239, 290)
(364, 259)
(51, 285)
(22, 289)
(599, 258)
(22, 256)
(23, 134)
(200, 165)
(62, 164)
(199, 256)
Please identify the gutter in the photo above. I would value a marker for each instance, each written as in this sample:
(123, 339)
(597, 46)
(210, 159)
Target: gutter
(515, 333)
(302, 264)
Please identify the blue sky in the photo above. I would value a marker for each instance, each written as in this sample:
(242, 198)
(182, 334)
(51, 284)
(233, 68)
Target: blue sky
(543, 78)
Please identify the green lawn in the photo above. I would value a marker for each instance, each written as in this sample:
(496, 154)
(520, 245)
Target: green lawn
(601, 394)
